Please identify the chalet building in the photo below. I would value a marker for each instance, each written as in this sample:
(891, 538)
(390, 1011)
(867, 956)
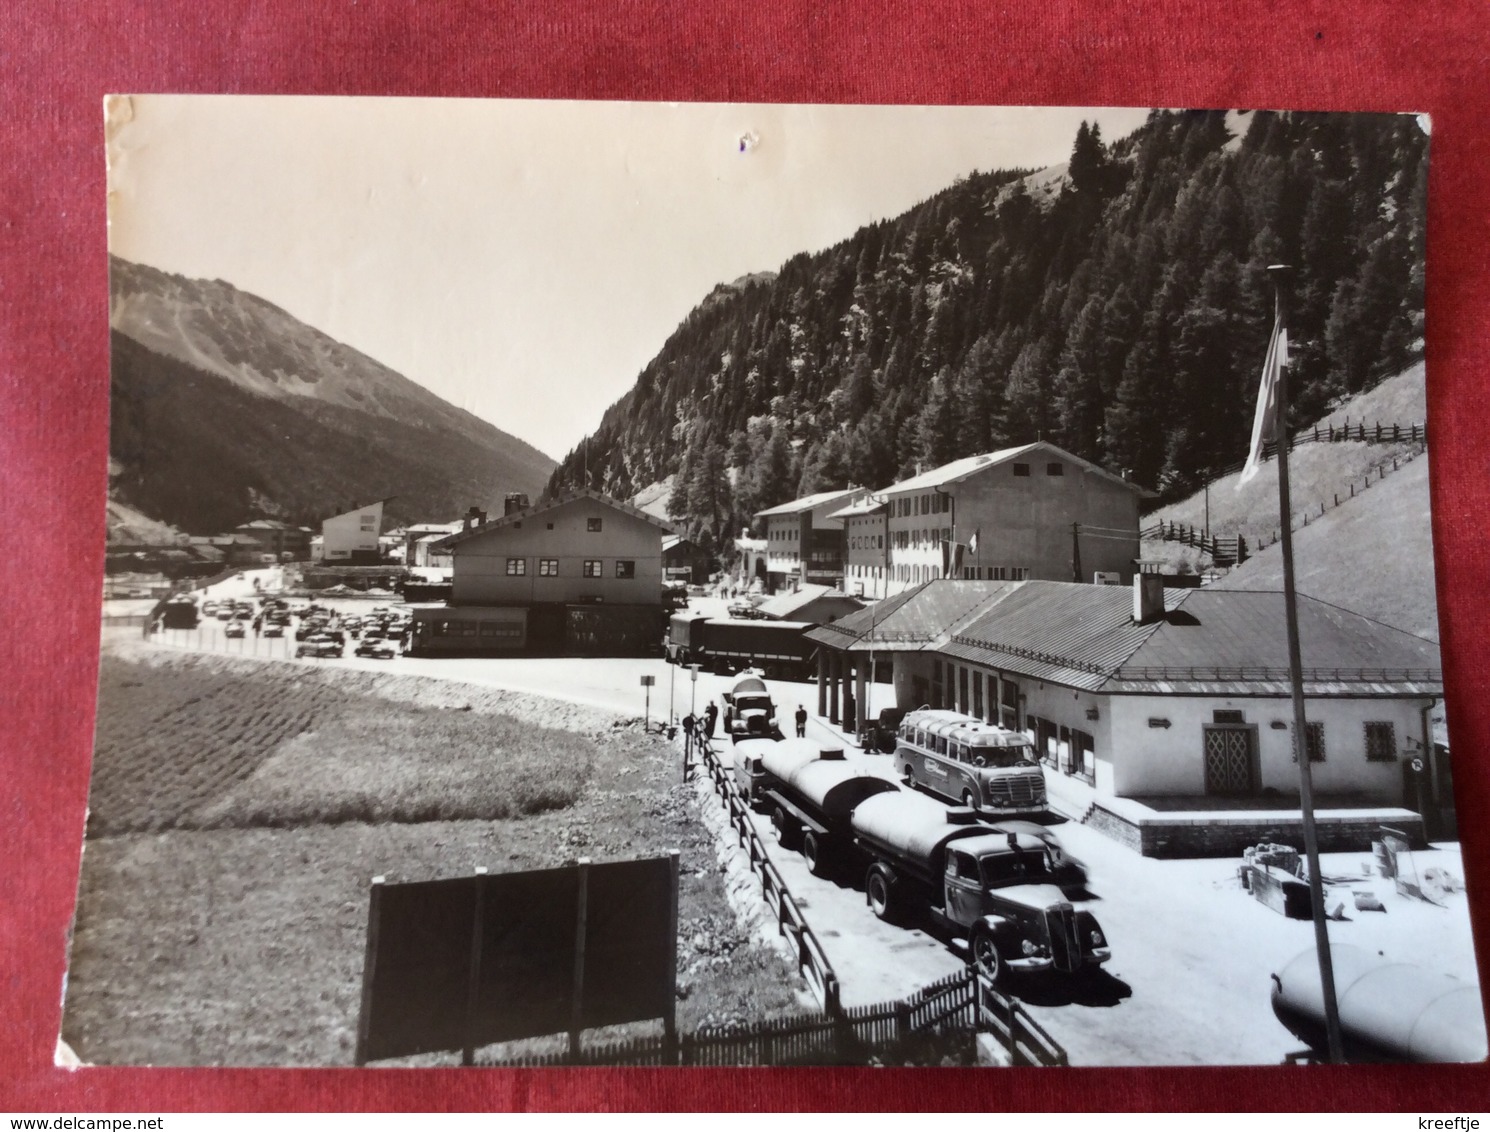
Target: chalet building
(284, 541)
(351, 537)
(580, 575)
(804, 543)
(1032, 512)
(685, 561)
(1176, 700)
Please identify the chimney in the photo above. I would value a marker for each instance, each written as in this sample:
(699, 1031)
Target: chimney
(514, 501)
(1148, 598)
(473, 518)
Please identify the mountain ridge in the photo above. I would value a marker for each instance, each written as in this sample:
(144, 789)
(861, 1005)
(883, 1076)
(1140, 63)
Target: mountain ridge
(227, 408)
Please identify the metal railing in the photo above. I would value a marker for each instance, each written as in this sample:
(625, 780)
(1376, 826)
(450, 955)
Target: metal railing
(812, 960)
(1027, 1042)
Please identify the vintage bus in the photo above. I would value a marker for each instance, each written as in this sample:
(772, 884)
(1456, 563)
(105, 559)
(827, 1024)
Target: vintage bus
(961, 758)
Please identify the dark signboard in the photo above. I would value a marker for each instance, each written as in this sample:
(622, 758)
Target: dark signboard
(456, 964)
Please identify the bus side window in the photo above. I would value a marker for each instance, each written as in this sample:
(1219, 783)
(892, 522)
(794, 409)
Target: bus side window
(962, 752)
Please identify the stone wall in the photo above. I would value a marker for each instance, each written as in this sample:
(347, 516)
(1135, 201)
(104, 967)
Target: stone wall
(1180, 836)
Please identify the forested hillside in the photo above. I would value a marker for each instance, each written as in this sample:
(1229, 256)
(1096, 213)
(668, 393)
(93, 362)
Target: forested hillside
(1119, 308)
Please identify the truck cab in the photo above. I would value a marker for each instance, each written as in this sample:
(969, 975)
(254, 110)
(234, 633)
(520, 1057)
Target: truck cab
(1000, 889)
(748, 710)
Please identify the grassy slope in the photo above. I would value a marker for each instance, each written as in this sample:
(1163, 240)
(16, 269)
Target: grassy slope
(1373, 554)
(244, 946)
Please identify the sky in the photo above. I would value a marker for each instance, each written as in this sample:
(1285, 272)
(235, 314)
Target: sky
(524, 260)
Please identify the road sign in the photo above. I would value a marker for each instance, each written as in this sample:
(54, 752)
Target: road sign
(649, 681)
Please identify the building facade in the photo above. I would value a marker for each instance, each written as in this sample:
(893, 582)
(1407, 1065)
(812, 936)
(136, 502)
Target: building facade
(581, 574)
(352, 536)
(1183, 694)
(804, 542)
(1032, 512)
(284, 541)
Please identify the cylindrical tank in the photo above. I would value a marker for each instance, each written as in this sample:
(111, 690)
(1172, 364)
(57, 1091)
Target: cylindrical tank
(1388, 1011)
(914, 826)
(782, 758)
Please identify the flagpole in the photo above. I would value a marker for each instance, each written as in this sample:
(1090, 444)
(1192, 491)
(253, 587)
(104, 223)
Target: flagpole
(1279, 273)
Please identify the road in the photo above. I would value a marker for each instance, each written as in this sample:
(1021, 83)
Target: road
(1192, 953)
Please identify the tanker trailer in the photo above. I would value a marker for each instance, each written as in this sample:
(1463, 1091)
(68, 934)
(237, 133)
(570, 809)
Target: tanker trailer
(812, 801)
(1389, 1012)
(996, 888)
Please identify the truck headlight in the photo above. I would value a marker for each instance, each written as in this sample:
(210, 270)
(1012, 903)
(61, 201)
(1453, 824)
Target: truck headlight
(1028, 947)
(1097, 940)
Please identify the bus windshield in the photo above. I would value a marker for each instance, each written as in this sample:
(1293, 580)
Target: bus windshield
(1001, 756)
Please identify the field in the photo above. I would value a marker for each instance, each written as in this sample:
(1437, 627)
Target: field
(239, 809)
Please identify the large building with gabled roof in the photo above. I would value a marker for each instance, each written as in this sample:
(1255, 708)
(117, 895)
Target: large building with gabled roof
(804, 542)
(1146, 693)
(1031, 512)
(580, 574)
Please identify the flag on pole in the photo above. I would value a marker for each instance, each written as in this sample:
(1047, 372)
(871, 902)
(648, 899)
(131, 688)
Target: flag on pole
(1265, 422)
(972, 543)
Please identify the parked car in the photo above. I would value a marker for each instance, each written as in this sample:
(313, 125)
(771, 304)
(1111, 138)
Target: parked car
(234, 629)
(319, 644)
(377, 650)
(274, 629)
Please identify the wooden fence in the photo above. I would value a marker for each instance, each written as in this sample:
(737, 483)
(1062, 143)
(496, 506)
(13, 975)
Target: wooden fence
(812, 960)
(937, 1021)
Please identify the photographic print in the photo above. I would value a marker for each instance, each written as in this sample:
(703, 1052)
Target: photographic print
(642, 584)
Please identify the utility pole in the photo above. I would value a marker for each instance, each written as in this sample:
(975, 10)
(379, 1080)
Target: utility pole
(1279, 274)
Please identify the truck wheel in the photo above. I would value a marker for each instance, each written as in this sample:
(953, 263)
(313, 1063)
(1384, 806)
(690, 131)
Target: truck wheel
(986, 956)
(786, 833)
(969, 800)
(878, 890)
(907, 777)
(812, 850)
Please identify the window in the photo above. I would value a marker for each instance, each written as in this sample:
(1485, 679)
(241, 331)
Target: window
(592, 566)
(1055, 469)
(548, 567)
(550, 526)
(1021, 469)
(1381, 742)
(1314, 733)
(516, 567)
(592, 523)
(625, 568)
(1222, 716)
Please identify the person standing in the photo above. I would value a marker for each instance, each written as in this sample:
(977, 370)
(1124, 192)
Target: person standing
(801, 722)
(689, 722)
(711, 716)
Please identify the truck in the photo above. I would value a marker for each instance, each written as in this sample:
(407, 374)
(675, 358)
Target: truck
(993, 886)
(813, 800)
(748, 710)
(750, 774)
(723, 645)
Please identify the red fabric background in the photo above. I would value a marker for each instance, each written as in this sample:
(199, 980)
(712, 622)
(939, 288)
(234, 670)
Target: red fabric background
(57, 62)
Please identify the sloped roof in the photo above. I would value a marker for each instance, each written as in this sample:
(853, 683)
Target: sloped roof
(959, 470)
(791, 606)
(866, 506)
(810, 502)
(528, 512)
(1208, 642)
(912, 619)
